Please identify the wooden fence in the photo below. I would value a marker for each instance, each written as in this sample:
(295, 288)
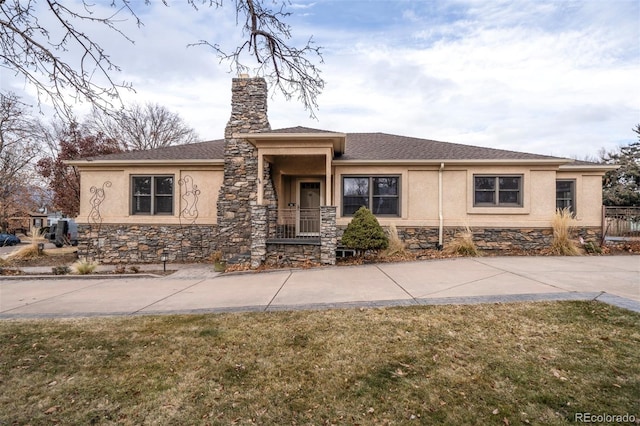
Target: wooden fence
(620, 223)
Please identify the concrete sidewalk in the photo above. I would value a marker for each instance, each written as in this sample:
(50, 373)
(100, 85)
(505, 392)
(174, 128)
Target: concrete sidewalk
(196, 288)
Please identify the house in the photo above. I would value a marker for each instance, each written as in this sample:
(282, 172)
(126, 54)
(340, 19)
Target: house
(27, 223)
(285, 196)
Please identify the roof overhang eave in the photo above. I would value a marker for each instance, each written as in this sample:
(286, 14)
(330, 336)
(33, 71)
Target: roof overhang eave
(589, 167)
(459, 162)
(338, 139)
(154, 162)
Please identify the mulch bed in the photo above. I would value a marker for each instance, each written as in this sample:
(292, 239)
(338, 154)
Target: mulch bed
(624, 248)
(45, 260)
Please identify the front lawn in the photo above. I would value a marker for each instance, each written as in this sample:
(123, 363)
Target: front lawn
(506, 364)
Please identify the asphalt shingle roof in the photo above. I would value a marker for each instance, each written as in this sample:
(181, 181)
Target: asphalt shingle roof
(209, 150)
(359, 146)
(383, 146)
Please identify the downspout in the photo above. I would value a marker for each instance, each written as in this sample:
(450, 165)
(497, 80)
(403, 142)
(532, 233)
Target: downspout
(440, 215)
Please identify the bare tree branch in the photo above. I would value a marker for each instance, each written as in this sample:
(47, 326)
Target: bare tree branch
(19, 146)
(142, 127)
(287, 68)
(66, 64)
(30, 50)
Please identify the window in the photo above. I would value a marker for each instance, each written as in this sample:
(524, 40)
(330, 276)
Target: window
(566, 195)
(497, 191)
(152, 195)
(380, 194)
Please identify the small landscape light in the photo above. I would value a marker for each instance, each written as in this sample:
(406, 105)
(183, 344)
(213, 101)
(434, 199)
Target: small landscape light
(164, 258)
(40, 248)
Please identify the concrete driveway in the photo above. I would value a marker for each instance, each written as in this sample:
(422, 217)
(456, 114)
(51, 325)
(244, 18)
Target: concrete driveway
(196, 288)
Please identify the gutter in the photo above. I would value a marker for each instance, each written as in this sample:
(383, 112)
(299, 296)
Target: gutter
(440, 214)
(453, 162)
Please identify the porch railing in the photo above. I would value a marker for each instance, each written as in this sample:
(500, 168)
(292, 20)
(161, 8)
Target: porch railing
(294, 224)
(620, 222)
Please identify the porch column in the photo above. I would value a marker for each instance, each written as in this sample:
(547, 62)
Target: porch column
(258, 235)
(327, 180)
(328, 235)
(260, 178)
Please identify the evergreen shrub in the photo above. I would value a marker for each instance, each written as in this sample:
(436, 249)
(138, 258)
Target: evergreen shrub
(364, 233)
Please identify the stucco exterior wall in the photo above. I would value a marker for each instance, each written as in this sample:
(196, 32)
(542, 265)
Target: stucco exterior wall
(588, 196)
(420, 205)
(116, 192)
(202, 184)
(538, 199)
(418, 195)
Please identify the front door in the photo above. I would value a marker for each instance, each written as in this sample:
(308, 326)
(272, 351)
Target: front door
(309, 198)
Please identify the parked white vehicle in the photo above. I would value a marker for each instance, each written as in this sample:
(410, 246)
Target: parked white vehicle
(64, 232)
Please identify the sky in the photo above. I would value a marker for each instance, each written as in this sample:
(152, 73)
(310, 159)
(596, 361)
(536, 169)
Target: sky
(555, 77)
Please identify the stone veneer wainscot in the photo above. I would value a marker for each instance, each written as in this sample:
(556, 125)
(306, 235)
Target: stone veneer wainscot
(111, 244)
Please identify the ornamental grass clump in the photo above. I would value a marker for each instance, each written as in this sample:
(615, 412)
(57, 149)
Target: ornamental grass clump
(30, 251)
(364, 233)
(563, 224)
(397, 247)
(463, 244)
(83, 267)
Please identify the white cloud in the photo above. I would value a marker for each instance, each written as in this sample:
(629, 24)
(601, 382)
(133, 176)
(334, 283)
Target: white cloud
(302, 5)
(500, 76)
(548, 77)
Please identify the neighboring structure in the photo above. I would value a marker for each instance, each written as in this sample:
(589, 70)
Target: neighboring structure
(28, 223)
(283, 196)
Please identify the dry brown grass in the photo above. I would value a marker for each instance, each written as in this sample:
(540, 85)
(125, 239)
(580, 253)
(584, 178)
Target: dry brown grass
(30, 251)
(83, 267)
(463, 244)
(397, 247)
(485, 364)
(563, 224)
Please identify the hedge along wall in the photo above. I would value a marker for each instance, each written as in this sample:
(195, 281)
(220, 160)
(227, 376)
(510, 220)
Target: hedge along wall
(111, 244)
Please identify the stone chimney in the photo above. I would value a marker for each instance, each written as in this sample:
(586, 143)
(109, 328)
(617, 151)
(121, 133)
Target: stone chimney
(248, 106)
(239, 189)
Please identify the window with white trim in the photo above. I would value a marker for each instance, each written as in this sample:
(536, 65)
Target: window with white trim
(497, 191)
(380, 194)
(152, 195)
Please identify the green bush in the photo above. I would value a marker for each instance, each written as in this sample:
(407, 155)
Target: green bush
(364, 233)
(592, 248)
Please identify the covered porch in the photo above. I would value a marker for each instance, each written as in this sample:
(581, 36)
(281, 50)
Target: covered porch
(294, 199)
